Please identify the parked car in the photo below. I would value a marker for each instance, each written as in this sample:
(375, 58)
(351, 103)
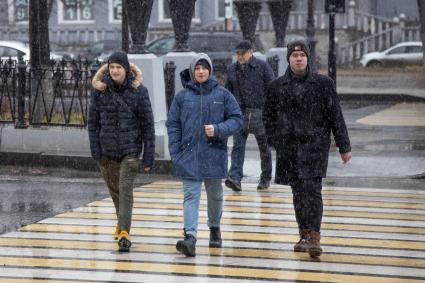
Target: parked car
(404, 53)
(218, 45)
(15, 49)
(64, 52)
(101, 49)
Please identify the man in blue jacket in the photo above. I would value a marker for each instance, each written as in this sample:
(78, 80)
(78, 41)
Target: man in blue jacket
(247, 80)
(201, 118)
(121, 127)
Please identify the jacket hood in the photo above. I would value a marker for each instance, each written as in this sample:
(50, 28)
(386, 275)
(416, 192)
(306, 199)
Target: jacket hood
(195, 60)
(100, 79)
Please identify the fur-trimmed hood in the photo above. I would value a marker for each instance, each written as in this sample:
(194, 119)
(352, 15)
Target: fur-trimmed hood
(100, 84)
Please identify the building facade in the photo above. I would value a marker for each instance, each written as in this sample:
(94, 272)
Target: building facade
(85, 21)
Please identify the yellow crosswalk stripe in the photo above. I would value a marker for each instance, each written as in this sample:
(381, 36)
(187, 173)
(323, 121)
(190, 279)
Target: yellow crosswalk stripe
(274, 210)
(252, 222)
(270, 199)
(197, 269)
(226, 251)
(250, 236)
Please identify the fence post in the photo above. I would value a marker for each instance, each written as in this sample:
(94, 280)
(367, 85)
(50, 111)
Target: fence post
(169, 75)
(397, 34)
(20, 124)
(403, 26)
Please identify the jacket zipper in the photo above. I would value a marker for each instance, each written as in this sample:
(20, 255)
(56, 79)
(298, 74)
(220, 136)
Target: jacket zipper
(200, 134)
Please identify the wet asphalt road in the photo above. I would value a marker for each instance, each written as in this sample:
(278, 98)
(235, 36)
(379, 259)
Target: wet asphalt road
(27, 196)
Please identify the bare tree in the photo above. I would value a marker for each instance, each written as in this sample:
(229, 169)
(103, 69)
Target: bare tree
(421, 6)
(39, 32)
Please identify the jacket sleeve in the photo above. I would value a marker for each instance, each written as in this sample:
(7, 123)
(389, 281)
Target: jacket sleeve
(94, 127)
(270, 116)
(337, 122)
(268, 74)
(174, 127)
(232, 118)
(148, 129)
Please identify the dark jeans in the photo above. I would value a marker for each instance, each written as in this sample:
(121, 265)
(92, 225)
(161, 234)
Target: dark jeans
(308, 204)
(253, 124)
(119, 177)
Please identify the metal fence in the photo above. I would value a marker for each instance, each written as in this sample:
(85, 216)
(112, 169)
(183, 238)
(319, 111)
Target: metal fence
(55, 95)
(59, 94)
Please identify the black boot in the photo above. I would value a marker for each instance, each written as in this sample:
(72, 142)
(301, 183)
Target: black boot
(215, 237)
(187, 246)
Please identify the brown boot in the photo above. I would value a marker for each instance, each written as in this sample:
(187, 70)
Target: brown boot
(314, 249)
(302, 245)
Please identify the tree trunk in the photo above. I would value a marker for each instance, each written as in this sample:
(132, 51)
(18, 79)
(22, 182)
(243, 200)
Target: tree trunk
(43, 32)
(421, 6)
(33, 33)
(41, 89)
(124, 27)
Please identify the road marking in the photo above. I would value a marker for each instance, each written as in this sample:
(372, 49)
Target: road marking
(372, 236)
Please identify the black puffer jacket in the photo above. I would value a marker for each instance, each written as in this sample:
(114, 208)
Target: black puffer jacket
(299, 116)
(113, 130)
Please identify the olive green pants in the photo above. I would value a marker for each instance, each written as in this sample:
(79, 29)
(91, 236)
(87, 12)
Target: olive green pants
(119, 177)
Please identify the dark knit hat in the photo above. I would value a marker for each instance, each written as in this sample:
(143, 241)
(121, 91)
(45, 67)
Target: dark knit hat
(119, 57)
(243, 46)
(297, 45)
(204, 63)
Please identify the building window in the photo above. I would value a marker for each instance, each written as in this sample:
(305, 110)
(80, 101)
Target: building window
(115, 11)
(165, 14)
(18, 11)
(220, 14)
(71, 11)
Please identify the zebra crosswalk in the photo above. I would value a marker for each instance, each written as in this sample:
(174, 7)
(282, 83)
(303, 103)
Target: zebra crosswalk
(368, 235)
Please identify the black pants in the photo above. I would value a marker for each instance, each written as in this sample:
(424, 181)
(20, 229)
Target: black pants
(308, 204)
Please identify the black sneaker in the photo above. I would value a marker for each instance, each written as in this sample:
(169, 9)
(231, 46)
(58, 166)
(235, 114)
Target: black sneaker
(187, 246)
(262, 186)
(215, 237)
(124, 243)
(234, 185)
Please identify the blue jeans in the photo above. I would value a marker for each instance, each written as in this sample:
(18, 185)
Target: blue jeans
(252, 124)
(192, 196)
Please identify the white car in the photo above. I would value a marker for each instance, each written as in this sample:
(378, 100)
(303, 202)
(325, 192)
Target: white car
(404, 53)
(15, 49)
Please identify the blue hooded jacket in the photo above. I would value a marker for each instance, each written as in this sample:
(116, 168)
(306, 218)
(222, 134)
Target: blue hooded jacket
(194, 155)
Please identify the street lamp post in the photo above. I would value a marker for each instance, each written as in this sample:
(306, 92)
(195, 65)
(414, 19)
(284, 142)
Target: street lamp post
(332, 7)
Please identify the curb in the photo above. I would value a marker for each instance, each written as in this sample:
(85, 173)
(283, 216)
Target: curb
(84, 163)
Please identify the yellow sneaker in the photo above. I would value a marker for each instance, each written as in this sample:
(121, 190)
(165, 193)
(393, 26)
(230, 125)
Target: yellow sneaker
(124, 243)
(116, 232)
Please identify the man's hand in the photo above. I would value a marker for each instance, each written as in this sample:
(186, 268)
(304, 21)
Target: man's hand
(345, 157)
(146, 169)
(209, 130)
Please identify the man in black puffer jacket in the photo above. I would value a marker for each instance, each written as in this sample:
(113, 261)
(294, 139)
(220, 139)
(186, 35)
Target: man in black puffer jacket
(121, 126)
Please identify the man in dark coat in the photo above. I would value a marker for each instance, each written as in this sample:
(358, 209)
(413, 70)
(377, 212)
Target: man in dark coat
(120, 127)
(301, 110)
(247, 80)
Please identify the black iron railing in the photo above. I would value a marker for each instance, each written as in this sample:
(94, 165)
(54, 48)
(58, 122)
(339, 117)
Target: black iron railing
(56, 95)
